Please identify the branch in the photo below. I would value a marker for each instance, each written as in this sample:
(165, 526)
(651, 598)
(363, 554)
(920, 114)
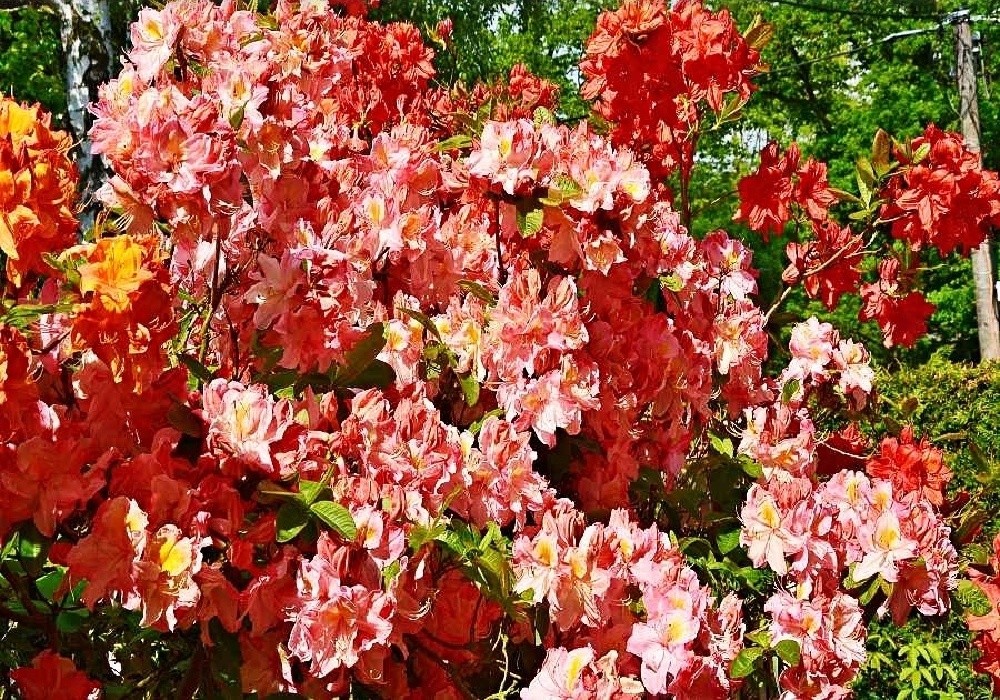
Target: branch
(839, 253)
(805, 75)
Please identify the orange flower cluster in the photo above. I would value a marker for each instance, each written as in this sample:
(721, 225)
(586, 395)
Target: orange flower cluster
(37, 191)
(129, 318)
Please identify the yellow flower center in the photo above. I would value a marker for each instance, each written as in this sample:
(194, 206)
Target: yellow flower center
(175, 556)
(769, 514)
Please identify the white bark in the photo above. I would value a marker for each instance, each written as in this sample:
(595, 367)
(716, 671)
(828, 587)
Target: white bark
(85, 29)
(987, 314)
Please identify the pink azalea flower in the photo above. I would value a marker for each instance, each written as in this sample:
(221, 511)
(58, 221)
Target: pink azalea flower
(560, 676)
(506, 155)
(245, 422)
(812, 346)
(765, 532)
(153, 37)
(884, 547)
(336, 624)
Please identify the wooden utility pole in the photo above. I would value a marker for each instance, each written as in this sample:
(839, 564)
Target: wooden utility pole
(982, 263)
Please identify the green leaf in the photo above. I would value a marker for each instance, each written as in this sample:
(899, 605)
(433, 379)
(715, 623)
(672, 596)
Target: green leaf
(972, 598)
(568, 187)
(391, 573)
(236, 118)
(982, 461)
(198, 370)
(529, 222)
(728, 541)
(478, 425)
(752, 468)
(309, 491)
(470, 389)
(337, 517)
(761, 637)
(870, 592)
(422, 534)
(31, 546)
(672, 282)
(789, 390)
(282, 379)
(788, 651)
(49, 583)
(563, 189)
(453, 542)
(687, 544)
(292, 519)
(722, 445)
(181, 417)
(922, 152)
(744, 662)
(881, 152)
(971, 522)
(23, 315)
(732, 109)
(865, 171)
(845, 196)
(270, 492)
(866, 180)
(362, 355)
(377, 375)
(455, 143)
(759, 33)
(495, 562)
(421, 318)
(70, 621)
(478, 290)
(493, 535)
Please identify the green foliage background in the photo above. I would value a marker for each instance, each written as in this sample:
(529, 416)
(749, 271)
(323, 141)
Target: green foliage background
(833, 82)
(29, 53)
(958, 407)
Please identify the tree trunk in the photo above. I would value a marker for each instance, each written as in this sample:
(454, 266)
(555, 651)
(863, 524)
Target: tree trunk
(85, 29)
(982, 264)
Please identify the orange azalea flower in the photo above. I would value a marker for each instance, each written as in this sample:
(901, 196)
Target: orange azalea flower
(37, 190)
(114, 272)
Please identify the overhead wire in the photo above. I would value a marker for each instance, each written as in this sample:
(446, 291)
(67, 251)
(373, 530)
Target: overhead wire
(895, 36)
(850, 12)
(941, 21)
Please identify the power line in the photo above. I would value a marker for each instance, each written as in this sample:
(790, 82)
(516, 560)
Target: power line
(950, 18)
(851, 12)
(888, 38)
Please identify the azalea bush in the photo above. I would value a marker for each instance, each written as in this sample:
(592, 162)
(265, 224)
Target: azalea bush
(363, 384)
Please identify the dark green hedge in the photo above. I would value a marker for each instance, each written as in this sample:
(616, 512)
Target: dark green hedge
(958, 407)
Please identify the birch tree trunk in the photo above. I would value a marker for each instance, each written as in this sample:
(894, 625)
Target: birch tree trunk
(85, 30)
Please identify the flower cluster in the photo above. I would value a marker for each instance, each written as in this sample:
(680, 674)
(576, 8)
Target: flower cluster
(378, 386)
(935, 195)
(767, 195)
(941, 197)
(652, 69)
(986, 626)
(37, 192)
(683, 644)
(849, 536)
